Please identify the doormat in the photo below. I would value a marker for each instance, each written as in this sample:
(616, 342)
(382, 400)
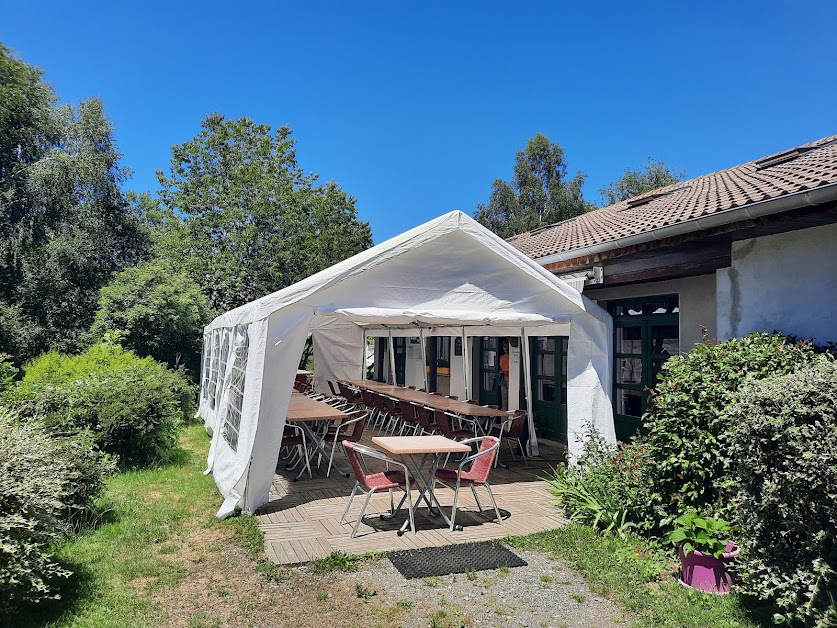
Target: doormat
(441, 561)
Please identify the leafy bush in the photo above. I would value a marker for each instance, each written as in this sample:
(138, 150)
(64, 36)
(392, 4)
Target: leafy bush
(45, 483)
(689, 439)
(156, 311)
(784, 450)
(8, 371)
(601, 488)
(132, 406)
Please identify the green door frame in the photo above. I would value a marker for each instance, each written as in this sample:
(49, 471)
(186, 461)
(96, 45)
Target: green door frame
(636, 365)
(550, 415)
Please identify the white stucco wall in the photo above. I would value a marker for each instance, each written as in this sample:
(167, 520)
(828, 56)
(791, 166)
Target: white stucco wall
(696, 297)
(785, 282)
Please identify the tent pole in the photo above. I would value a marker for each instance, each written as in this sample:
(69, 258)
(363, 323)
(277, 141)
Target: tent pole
(392, 358)
(423, 356)
(465, 362)
(527, 372)
(363, 357)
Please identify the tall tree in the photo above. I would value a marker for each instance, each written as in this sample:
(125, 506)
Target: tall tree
(65, 224)
(244, 219)
(539, 194)
(653, 175)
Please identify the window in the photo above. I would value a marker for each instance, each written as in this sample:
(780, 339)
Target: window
(235, 399)
(443, 352)
(647, 333)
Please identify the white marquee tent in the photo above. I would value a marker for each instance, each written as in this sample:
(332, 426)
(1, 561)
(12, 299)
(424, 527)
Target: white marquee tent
(448, 277)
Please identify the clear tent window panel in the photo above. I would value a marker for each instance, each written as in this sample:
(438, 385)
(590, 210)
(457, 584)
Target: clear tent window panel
(235, 400)
(205, 370)
(213, 377)
(222, 366)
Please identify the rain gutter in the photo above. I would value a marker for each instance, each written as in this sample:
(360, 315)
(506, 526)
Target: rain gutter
(796, 200)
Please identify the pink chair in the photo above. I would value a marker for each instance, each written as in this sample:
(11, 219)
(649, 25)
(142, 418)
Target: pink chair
(370, 482)
(477, 475)
(341, 433)
(512, 431)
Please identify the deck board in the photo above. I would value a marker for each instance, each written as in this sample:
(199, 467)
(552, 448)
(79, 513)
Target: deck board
(302, 520)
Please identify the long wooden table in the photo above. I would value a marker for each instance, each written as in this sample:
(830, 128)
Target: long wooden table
(304, 411)
(437, 402)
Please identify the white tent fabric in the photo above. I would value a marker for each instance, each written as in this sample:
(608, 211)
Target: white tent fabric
(450, 276)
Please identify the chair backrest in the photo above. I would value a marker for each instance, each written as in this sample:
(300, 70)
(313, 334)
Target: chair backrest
(357, 432)
(299, 386)
(517, 425)
(375, 400)
(348, 393)
(334, 390)
(444, 424)
(354, 461)
(422, 416)
(483, 460)
(366, 395)
(391, 408)
(454, 397)
(352, 451)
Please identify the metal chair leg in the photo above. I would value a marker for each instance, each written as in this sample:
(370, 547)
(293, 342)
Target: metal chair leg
(476, 498)
(349, 505)
(362, 510)
(453, 509)
(494, 503)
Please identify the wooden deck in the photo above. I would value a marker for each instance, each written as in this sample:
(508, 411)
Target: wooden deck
(302, 520)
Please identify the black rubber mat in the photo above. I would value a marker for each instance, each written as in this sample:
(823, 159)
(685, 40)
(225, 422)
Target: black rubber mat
(441, 561)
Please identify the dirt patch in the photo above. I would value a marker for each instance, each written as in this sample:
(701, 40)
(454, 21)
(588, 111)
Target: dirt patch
(223, 588)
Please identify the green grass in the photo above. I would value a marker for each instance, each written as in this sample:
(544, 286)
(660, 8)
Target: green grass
(121, 564)
(626, 572)
(340, 561)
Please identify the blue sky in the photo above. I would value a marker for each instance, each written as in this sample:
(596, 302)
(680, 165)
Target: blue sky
(416, 107)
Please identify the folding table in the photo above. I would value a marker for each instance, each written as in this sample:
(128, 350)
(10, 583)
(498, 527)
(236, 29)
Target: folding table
(304, 411)
(412, 447)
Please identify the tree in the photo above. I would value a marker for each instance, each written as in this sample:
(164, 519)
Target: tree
(655, 174)
(539, 193)
(252, 221)
(65, 227)
(155, 310)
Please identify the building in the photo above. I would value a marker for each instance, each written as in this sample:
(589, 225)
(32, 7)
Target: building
(750, 248)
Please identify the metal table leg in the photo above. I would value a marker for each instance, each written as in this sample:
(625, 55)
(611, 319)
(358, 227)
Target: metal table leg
(317, 441)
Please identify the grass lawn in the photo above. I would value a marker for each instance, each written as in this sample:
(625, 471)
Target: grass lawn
(627, 573)
(159, 557)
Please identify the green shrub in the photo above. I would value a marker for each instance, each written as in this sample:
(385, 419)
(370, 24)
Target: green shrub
(688, 444)
(604, 485)
(8, 371)
(46, 482)
(784, 450)
(156, 311)
(133, 406)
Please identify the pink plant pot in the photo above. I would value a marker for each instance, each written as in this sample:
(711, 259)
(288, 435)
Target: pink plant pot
(706, 573)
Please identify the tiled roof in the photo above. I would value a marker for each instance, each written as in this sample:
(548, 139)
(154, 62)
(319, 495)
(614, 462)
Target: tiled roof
(801, 168)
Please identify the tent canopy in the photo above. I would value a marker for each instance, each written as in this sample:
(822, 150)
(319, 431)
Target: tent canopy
(450, 276)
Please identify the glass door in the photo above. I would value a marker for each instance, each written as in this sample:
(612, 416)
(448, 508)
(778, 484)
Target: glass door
(549, 385)
(647, 334)
(489, 370)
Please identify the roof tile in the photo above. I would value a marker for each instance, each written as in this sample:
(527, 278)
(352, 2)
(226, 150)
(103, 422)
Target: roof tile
(709, 194)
